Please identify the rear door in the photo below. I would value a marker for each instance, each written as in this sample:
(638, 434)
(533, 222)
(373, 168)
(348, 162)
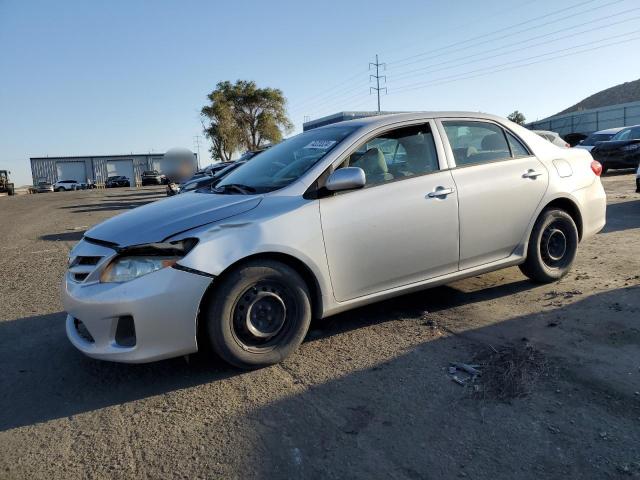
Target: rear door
(500, 184)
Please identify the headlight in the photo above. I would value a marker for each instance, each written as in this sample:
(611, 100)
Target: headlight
(124, 269)
(630, 148)
(139, 260)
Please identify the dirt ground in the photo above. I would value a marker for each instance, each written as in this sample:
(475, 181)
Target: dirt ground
(368, 395)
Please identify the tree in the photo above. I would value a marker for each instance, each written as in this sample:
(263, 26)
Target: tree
(517, 117)
(243, 115)
(221, 129)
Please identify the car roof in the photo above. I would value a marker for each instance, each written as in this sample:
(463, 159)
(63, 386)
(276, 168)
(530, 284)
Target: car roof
(546, 131)
(389, 118)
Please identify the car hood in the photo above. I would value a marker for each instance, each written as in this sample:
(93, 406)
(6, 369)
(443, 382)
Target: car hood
(162, 219)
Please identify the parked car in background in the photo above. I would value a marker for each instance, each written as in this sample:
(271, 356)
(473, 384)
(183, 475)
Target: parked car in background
(553, 137)
(43, 187)
(117, 181)
(622, 151)
(65, 185)
(600, 136)
(153, 177)
(212, 175)
(326, 221)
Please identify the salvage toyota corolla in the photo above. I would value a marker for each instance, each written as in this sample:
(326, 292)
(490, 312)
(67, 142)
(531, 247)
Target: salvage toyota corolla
(328, 220)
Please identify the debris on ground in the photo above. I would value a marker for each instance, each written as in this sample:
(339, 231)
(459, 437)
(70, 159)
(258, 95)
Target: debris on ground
(504, 372)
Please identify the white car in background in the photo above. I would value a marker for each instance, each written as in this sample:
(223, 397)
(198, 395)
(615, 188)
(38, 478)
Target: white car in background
(553, 137)
(600, 136)
(65, 185)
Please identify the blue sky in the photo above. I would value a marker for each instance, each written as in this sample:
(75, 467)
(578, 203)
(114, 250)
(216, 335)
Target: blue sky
(80, 77)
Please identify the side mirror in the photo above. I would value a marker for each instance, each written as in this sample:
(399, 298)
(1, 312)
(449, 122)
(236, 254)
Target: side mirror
(347, 178)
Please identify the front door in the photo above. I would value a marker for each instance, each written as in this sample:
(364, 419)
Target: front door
(500, 184)
(402, 227)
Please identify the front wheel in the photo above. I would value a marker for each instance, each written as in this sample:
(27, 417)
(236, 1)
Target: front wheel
(258, 315)
(552, 247)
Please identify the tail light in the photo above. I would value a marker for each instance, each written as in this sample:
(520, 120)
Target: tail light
(596, 167)
(567, 145)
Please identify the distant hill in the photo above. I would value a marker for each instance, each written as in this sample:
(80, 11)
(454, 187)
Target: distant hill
(623, 93)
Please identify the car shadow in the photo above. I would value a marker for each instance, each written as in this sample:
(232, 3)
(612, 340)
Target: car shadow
(418, 304)
(404, 417)
(73, 236)
(45, 377)
(622, 216)
(50, 379)
(104, 206)
(146, 194)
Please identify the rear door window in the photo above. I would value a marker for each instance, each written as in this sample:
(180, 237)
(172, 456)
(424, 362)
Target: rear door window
(474, 142)
(517, 147)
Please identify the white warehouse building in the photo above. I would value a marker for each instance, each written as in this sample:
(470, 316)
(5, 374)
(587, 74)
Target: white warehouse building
(97, 168)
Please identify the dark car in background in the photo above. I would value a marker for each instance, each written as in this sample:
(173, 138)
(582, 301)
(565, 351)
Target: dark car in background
(622, 151)
(211, 174)
(153, 177)
(202, 181)
(599, 136)
(117, 181)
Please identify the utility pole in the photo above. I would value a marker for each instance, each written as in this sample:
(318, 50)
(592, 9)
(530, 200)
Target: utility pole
(377, 76)
(196, 142)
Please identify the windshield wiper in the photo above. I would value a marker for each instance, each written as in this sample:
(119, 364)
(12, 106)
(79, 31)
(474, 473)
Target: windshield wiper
(234, 187)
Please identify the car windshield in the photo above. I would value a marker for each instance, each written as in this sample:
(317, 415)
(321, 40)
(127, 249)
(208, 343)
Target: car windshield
(627, 134)
(283, 163)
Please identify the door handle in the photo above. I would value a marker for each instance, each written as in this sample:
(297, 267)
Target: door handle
(440, 192)
(531, 173)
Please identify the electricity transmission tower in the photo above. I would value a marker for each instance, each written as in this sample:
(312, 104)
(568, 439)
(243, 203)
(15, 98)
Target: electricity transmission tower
(196, 143)
(377, 76)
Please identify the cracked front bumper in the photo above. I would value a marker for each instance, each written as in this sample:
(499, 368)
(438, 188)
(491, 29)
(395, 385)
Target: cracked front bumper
(163, 306)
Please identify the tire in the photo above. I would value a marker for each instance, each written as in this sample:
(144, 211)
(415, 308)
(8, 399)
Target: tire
(552, 248)
(238, 324)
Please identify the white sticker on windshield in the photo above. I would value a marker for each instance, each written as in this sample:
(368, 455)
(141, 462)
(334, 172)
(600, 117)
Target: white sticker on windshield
(321, 144)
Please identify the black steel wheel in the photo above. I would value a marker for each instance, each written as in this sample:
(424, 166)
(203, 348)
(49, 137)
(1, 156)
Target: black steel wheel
(552, 247)
(258, 314)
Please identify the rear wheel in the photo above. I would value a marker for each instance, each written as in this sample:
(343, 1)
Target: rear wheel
(259, 314)
(552, 247)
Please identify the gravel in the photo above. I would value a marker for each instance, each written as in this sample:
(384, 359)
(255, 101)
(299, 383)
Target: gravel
(368, 395)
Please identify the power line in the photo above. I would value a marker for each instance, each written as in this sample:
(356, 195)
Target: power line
(466, 76)
(486, 14)
(300, 105)
(339, 94)
(377, 76)
(430, 69)
(404, 62)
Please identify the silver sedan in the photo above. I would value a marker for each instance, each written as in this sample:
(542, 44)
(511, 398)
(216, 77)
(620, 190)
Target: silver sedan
(326, 221)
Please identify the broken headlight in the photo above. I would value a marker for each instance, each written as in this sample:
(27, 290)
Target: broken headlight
(140, 260)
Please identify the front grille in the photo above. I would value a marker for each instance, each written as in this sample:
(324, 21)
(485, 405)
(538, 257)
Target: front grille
(88, 260)
(82, 330)
(82, 266)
